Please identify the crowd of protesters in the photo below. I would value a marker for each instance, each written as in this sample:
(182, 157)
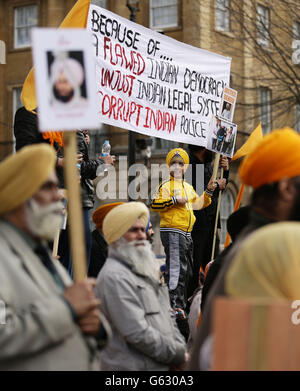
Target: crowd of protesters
(131, 312)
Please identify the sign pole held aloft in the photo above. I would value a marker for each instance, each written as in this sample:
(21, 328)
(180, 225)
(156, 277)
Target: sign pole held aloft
(75, 214)
(216, 222)
(216, 166)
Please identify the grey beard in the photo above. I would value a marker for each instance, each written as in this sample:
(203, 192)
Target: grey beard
(140, 256)
(44, 221)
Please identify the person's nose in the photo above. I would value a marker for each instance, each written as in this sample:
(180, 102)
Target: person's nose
(56, 196)
(141, 235)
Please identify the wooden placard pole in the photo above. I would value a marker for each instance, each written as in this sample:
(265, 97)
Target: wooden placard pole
(217, 216)
(55, 244)
(216, 166)
(75, 214)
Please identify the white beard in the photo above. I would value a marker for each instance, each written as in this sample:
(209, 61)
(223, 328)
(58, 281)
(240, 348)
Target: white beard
(139, 254)
(44, 221)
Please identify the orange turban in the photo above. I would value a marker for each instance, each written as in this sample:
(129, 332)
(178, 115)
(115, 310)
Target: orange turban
(277, 156)
(101, 212)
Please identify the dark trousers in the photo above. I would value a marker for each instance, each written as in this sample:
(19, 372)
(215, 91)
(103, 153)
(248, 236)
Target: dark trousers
(203, 241)
(64, 248)
(179, 259)
(225, 147)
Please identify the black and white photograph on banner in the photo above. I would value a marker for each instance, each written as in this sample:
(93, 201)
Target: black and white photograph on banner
(221, 137)
(227, 105)
(65, 75)
(67, 79)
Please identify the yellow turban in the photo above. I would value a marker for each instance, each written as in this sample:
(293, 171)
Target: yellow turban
(177, 152)
(22, 174)
(100, 213)
(267, 265)
(118, 221)
(275, 157)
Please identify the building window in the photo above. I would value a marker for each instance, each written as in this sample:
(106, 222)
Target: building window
(297, 118)
(17, 103)
(263, 25)
(222, 15)
(227, 206)
(163, 14)
(296, 31)
(25, 19)
(265, 109)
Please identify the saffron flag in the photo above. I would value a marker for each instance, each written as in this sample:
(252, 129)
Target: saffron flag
(77, 17)
(250, 144)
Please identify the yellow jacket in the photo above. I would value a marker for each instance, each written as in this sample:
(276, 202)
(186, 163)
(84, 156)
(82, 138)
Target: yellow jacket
(173, 215)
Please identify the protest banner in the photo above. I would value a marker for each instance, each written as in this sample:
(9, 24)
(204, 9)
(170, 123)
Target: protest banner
(152, 84)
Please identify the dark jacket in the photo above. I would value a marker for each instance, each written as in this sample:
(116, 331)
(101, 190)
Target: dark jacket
(26, 133)
(88, 171)
(99, 254)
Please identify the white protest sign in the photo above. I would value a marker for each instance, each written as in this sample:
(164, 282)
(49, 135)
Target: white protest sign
(153, 84)
(65, 79)
(227, 105)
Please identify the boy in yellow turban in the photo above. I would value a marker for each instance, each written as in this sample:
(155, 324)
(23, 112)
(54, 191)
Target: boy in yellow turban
(175, 200)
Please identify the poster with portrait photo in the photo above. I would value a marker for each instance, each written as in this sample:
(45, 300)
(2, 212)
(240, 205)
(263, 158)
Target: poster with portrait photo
(221, 136)
(227, 105)
(65, 79)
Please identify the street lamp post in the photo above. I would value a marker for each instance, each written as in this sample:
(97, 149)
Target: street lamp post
(133, 6)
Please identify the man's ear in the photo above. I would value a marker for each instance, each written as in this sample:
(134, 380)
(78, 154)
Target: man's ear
(286, 190)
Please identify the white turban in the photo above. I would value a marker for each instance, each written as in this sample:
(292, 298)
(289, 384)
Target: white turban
(71, 68)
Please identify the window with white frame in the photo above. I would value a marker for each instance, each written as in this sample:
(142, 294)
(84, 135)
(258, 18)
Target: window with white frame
(222, 15)
(265, 109)
(263, 25)
(163, 13)
(226, 208)
(24, 19)
(297, 118)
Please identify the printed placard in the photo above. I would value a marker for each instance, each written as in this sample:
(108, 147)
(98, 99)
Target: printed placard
(222, 136)
(65, 79)
(227, 105)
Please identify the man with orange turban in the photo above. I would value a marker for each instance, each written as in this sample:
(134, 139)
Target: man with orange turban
(175, 200)
(273, 171)
(99, 249)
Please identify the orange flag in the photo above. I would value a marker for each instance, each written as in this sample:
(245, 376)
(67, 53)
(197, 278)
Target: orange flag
(76, 18)
(254, 138)
(250, 144)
